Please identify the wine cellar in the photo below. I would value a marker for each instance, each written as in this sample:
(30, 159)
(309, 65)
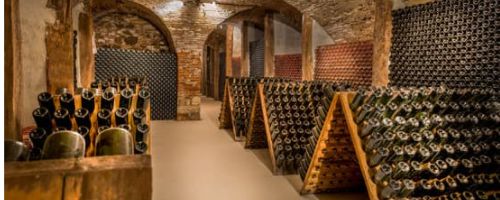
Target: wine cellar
(252, 99)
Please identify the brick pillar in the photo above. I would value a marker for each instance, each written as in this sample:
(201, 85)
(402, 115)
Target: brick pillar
(189, 84)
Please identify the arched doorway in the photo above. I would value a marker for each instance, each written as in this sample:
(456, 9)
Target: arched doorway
(132, 42)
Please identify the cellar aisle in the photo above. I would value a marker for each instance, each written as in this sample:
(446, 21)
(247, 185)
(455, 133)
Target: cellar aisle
(195, 160)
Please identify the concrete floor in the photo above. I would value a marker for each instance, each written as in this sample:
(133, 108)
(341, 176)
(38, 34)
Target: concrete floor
(195, 160)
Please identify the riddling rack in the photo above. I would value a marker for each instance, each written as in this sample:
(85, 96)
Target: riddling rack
(333, 165)
(256, 135)
(446, 139)
(225, 117)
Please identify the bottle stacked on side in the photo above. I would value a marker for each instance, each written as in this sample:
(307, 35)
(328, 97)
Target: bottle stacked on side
(120, 83)
(322, 108)
(446, 42)
(243, 92)
(429, 143)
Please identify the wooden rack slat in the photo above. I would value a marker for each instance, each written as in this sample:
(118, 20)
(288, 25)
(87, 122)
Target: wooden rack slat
(270, 146)
(254, 135)
(360, 153)
(322, 177)
(225, 114)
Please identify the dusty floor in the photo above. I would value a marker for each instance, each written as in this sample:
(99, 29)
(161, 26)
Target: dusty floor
(195, 160)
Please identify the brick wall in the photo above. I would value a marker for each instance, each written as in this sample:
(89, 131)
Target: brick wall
(288, 66)
(190, 24)
(128, 31)
(346, 62)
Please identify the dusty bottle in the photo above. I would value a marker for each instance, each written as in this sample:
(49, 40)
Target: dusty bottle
(42, 119)
(139, 116)
(108, 99)
(67, 102)
(82, 117)
(104, 117)
(141, 132)
(15, 151)
(64, 144)
(114, 141)
(121, 116)
(88, 101)
(46, 100)
(85, 132)
(140, 147)
(126, 98)
(38, 136)
(62, 118)
(143, 98)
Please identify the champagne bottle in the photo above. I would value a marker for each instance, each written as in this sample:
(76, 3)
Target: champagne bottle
(38, 136)
(46, 100)
(108, 99)
(121, 116)
(67, 102)
(139, 116)
(64, 144)
(104, 118)
(42, 119)
(114, 141)
(88, 100)
(82, 117)
(141, 132)
(126, 98)
(85, 132)
(62, 118)
(140, 147)
(143, 98)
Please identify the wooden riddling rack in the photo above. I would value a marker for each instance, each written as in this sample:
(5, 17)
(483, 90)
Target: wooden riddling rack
(92, 177)
(374, 192)
(333, 165)
(371, 187)
(93, 118)
(225, 117)
(267, 124)
(238, 98)
(256, 135)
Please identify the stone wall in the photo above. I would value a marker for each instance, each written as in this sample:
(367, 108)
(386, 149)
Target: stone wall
(127, 31)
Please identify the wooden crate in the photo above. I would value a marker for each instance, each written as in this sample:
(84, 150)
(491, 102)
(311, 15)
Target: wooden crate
(105, 177)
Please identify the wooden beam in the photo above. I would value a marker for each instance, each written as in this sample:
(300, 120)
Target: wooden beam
(85, 27)
(382, 42)
(229, 50)
(245, 54)
(216, 71)
(269, 45)
(307, 61)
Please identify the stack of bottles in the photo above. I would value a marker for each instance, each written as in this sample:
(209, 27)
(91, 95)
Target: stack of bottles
(446, 42)
(292, 111)
(243, 93)
(322, 110)
(431, 142)
(52, 117)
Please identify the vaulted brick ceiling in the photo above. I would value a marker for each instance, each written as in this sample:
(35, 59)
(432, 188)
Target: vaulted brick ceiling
(344, 20)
